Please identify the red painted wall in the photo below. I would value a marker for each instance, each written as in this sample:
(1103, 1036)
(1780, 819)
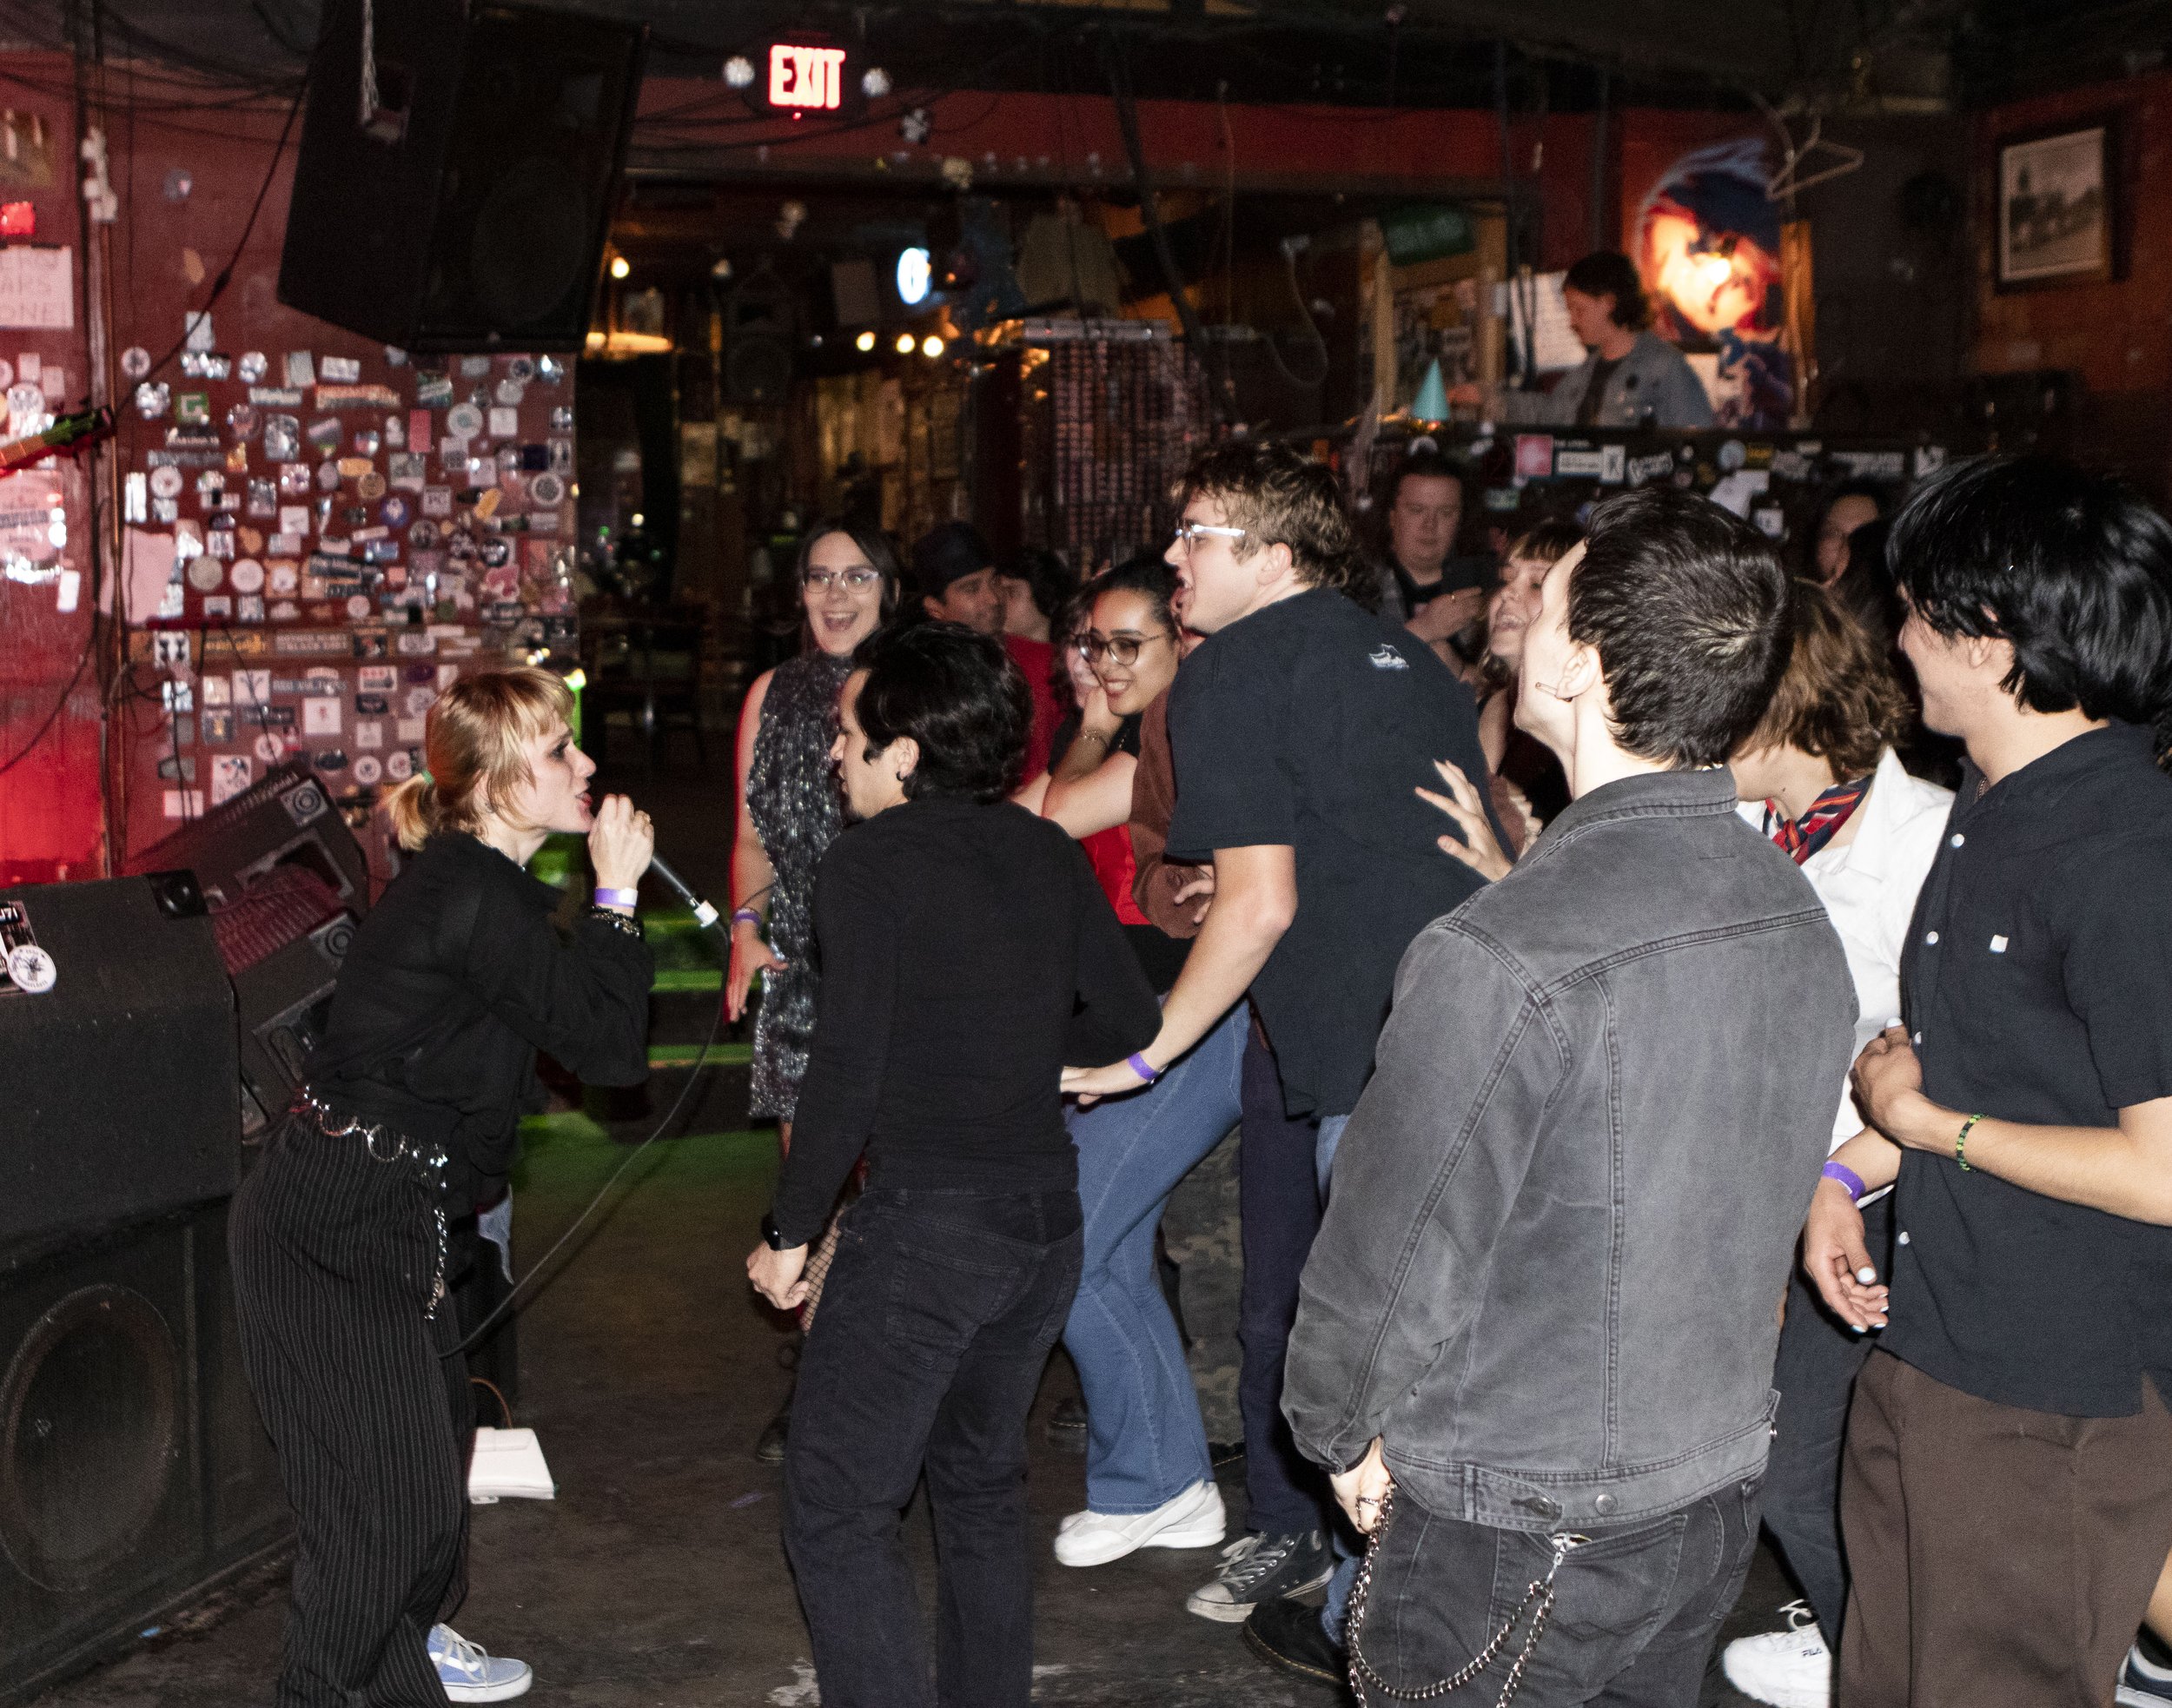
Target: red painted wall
(2118, 335)
(51, 822)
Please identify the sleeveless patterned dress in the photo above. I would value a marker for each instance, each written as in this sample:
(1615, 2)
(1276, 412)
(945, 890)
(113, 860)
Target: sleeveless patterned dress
(792, 797)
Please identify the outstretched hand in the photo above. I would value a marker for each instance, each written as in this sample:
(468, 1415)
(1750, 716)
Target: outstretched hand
(1479, 849)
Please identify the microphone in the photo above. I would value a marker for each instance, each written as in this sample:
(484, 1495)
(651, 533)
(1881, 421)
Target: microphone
(705, 914)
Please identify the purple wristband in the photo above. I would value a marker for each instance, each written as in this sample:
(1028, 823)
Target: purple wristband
(606, 897)
(1847, 1177)
(1145, 1070)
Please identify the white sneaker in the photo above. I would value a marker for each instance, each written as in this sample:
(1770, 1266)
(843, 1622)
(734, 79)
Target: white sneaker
(470, 1672)
(1194, 1520)
(1789, 1669)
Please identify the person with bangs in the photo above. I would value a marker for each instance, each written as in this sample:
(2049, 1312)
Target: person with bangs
(407, 1116)
(967, 953)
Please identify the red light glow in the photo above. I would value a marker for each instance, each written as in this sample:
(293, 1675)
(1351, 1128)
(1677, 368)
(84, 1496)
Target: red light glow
(18, 219)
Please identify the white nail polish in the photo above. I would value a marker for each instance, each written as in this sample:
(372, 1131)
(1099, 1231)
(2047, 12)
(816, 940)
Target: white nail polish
(1866, 1274)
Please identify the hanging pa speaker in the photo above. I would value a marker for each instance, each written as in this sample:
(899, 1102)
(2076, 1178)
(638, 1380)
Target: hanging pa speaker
(758, 333)
(466, 208)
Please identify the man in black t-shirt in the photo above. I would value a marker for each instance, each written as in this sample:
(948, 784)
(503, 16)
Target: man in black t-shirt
(1302, 729)
(2007, 1495)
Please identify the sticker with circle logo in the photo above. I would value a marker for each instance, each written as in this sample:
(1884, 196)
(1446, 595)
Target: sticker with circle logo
(358, 606)
(368, 770)
(546, 489)
(205, 574)
(166, 482)
(269, 748)
(393, 512)
(247, 576)
(252, 366)
(32, 969)
(398, 766)
(463, 421)
(135, 361)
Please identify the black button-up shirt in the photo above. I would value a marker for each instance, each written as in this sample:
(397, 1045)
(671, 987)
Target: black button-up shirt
(2036, 987)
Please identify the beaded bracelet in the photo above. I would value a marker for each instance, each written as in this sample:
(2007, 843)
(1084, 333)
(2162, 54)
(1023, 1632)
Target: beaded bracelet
(1961, 1143)
(616, 921)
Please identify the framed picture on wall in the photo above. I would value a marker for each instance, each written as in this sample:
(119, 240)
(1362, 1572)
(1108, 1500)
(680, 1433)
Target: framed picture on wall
(2057, 207)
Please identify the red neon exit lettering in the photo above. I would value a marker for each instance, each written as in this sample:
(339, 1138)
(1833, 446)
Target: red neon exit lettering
(806, 77)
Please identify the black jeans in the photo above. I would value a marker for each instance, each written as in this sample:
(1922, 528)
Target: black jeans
(1635, 1613)
(1278, 1189)
(937, 1318)
(1819, 1357)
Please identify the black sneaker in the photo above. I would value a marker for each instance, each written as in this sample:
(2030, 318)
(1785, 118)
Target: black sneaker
(1222, 1453)
(1257, 1569)
(769, 1445)
(1288, 1635)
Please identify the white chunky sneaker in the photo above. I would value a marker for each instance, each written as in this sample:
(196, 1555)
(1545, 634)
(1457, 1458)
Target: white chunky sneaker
(1194, 1520)
(471, 1673)
(1789, 1669)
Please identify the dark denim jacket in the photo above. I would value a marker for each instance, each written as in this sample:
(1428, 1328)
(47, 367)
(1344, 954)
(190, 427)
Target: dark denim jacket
(1563, 1210)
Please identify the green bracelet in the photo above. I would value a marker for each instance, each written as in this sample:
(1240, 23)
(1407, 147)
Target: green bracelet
(1961, 1143)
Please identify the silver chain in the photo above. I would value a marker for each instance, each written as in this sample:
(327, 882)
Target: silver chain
(385, 1145)
(1541, 1591)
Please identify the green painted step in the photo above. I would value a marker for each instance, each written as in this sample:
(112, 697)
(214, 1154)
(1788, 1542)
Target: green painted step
(684, 1054)
(675, 980)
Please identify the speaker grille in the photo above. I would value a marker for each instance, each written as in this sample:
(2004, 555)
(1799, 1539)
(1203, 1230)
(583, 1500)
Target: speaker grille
(90, 1434)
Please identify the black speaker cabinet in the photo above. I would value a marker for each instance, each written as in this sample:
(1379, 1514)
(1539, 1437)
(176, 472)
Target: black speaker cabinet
(285, 1001)
(134, 1471)
(467, 209)
(117, 1056)
(285, 819)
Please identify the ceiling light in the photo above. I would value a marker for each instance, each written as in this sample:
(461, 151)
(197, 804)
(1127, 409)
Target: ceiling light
(738, 71)
(905, 343)
(720, 267)
(864, 342)
(915, 274)
(874, 83)
(932, 347)
(621, 267)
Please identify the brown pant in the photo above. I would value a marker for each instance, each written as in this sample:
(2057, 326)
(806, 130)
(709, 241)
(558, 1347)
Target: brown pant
(2000, 1558)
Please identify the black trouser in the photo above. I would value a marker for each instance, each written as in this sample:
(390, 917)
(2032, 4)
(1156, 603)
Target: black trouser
(1815, 1373)
(1635, 1610)
(938, 1314)
(335, 1258)
(1278, 1187)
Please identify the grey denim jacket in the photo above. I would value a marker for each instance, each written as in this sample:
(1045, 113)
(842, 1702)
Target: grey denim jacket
(1563, 1212)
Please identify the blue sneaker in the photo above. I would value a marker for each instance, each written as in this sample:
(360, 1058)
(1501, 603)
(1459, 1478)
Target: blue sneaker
(2143, 1684)
(471, 1673)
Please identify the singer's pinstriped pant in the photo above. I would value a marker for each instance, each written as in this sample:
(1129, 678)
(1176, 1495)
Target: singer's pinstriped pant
(334, 1256)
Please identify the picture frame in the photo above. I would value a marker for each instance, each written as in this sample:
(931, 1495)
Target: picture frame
(2057, 206)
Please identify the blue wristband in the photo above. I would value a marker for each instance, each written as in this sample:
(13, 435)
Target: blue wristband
(1145, 1070)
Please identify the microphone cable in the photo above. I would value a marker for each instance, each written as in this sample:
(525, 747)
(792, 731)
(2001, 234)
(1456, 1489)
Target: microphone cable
(528, 1283)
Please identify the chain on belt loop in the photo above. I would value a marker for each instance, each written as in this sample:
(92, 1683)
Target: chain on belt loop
(1540, 1592)
(385, 1144)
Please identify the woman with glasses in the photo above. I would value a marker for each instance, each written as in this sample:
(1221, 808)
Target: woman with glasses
(790, 811)
(1149, 1478)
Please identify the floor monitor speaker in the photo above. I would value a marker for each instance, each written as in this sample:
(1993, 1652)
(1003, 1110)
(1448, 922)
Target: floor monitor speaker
(465, 208)
(134, 1471)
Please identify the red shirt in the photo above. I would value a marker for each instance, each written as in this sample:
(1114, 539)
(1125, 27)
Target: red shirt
(1036, 658)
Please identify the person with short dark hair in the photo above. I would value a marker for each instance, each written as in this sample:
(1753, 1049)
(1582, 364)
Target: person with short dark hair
(1540, 1313)
(1302, 729)
(967, 953)
(1424, 585)
(1036, 586)
(2022, 1108)
(1631, 376)
(956, 572)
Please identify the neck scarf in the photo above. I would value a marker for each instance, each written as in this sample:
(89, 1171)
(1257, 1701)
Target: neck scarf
(1799, 838)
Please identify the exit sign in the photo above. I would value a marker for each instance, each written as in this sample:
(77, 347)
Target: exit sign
(809, 79)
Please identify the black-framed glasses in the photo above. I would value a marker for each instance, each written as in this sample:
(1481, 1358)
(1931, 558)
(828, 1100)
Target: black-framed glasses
(1120, 649)
(852, 581)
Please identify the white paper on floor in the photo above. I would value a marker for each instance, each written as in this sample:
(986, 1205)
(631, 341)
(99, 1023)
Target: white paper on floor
(508, 1463)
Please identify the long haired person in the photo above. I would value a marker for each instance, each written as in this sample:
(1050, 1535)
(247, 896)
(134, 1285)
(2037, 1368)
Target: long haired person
(967, 953)
(456, 978)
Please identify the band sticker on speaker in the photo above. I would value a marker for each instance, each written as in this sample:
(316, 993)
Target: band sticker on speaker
(340, 370)
(300, 369)
(17, 938)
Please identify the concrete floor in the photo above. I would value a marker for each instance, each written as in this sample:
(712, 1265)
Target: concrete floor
(648, 1368)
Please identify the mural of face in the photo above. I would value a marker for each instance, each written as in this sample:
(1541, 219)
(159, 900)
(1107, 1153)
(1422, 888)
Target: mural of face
(1715, 287)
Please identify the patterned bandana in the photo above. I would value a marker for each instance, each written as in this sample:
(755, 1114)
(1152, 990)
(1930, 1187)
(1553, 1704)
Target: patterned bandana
(1799, 838)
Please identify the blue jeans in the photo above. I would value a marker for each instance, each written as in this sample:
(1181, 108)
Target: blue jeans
(1144, 1443)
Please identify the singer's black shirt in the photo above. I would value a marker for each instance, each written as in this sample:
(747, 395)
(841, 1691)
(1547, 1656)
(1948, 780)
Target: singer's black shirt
(967, 955)
(456, 978)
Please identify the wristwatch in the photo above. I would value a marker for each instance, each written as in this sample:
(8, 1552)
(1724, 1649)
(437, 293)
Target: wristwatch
(772, 1235)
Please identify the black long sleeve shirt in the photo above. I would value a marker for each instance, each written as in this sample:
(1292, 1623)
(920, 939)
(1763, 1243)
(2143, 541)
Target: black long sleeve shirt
(456, 978)
(967, 955)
